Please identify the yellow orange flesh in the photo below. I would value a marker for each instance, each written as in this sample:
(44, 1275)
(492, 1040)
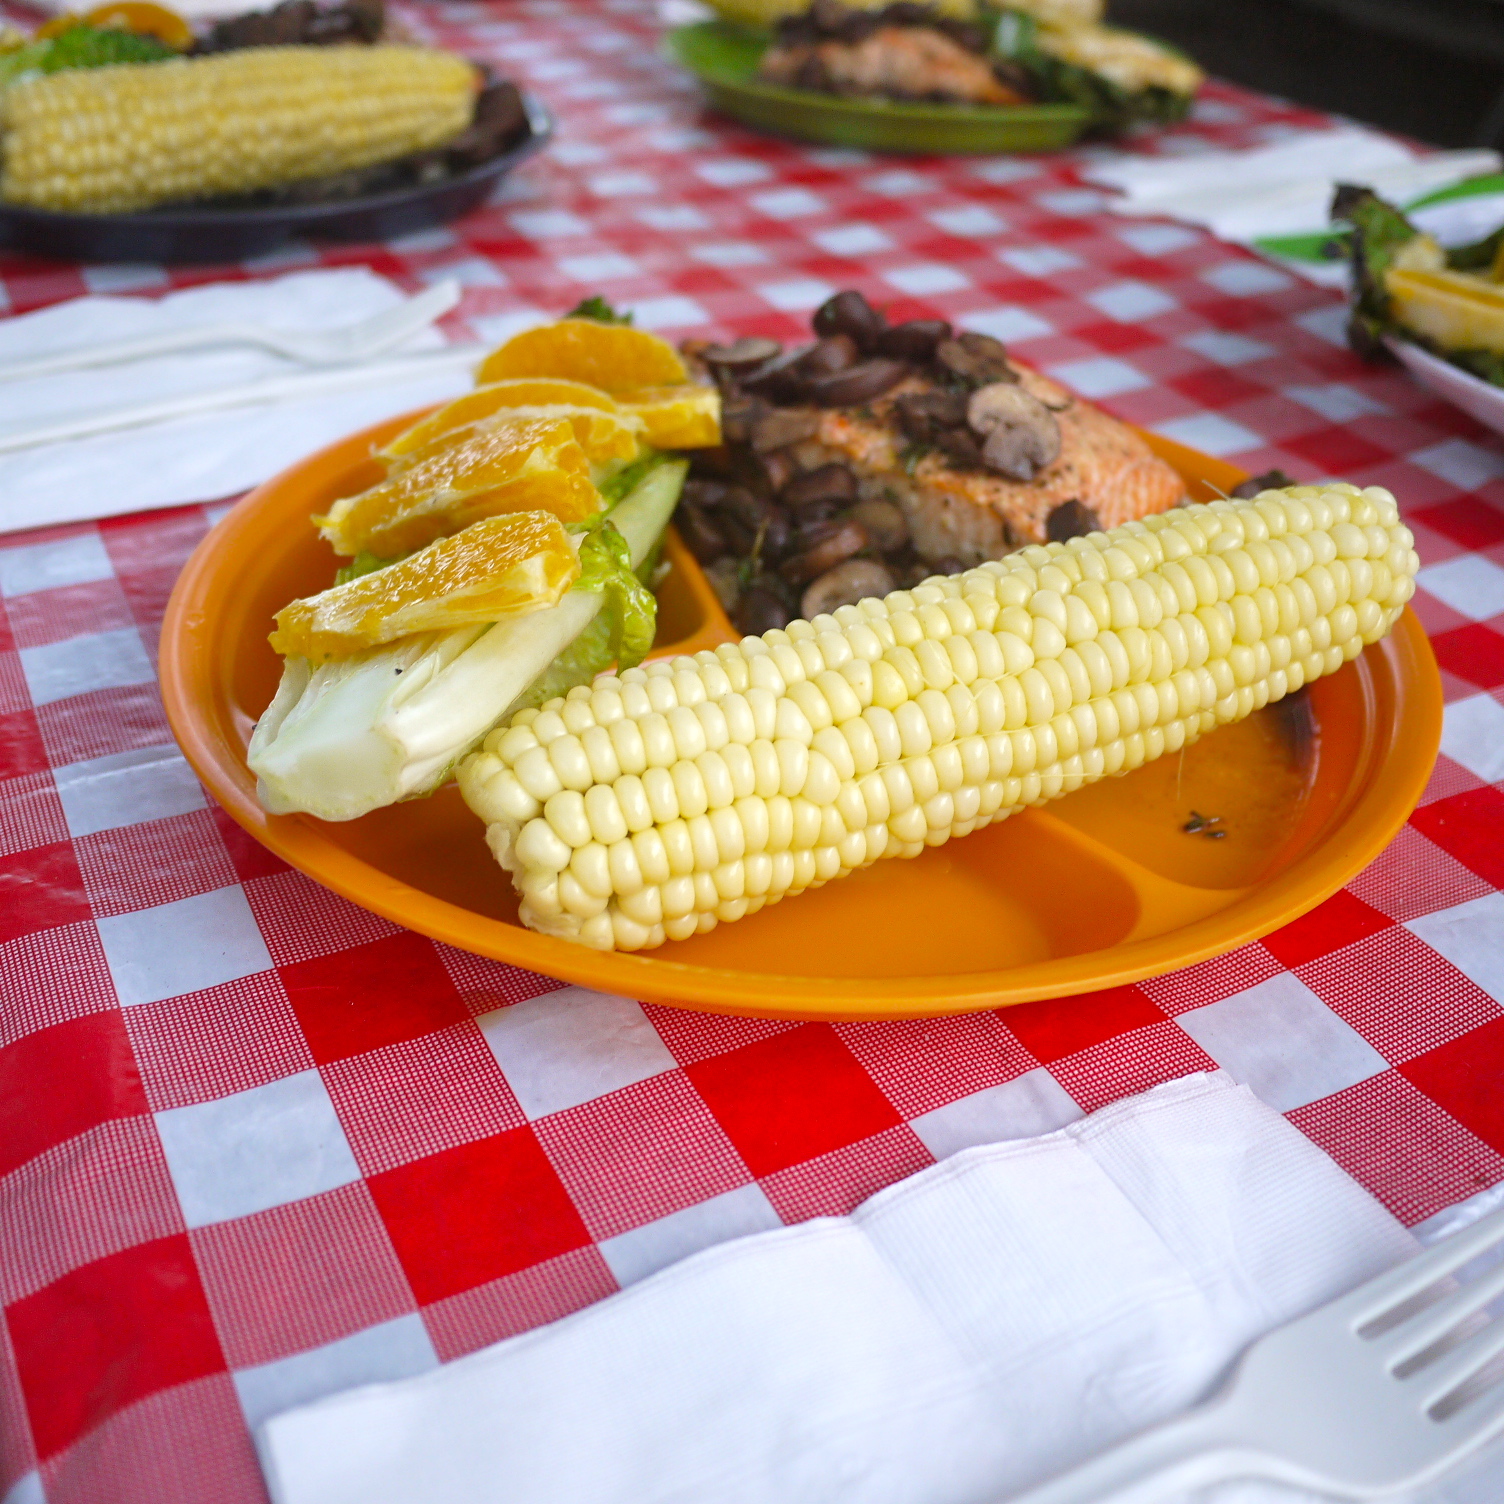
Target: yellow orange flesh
(613, 357)
(487, 400)
(500, 568)
(677, 417)
(602, 435)
(525, 467)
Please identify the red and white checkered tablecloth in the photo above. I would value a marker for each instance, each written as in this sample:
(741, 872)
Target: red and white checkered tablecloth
(256, 1144)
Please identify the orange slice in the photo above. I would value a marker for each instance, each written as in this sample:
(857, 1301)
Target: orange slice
(487, 400)
(145, 19)
(500, 568)
(677, 417)
(612, 357)
(524, 467)
(602, 435)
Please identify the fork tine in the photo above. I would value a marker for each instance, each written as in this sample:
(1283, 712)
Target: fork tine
(1433, 1323)
(1481, 1418)
(1456, 1366)
(1381, 1295)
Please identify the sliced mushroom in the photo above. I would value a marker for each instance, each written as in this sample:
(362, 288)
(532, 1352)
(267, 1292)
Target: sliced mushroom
(859, 383)
(739, 417)
(826, 356)
(850, 313)
(742, 354)
(777, 379)
(1071, 519)
(701, 536)
(1020, 433)
(884, 523)
(781, 426)
(757, 516)
(960, 448)
(777, 470)
(760, 610)
(833, 542)
(832, 483)
(916, 340)
(976, 358)
(849, 582)
(922, 414)
(1270, 480)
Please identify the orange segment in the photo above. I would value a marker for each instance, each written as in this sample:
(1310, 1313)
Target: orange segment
(612, 357)
(602, 435)
(145, 19)
(487, 400)
(524, 467)
(500, 568)
(677, 417)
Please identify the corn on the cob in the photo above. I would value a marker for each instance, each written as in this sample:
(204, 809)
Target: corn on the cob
(106, 140)
(665, 799)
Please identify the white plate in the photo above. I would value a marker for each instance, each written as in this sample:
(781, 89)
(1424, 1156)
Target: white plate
(1475, 396)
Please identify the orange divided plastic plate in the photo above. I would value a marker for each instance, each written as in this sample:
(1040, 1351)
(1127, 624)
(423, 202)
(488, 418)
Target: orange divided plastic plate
(1098, 889)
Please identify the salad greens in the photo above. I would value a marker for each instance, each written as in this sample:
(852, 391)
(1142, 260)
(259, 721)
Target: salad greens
(353, 734)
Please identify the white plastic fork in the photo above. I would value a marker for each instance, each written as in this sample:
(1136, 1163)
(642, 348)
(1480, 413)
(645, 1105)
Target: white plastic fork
(1350, 1401)
(320, 347)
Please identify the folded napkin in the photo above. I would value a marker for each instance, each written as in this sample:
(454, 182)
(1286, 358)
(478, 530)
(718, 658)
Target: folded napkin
(1279, 190)
(962, 1335)
(196, 458)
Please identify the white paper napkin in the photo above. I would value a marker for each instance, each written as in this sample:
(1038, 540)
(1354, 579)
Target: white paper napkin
(962, 1335)
(198, 458)
(1283, 189)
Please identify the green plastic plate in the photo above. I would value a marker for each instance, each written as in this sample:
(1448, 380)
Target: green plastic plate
(724, 58)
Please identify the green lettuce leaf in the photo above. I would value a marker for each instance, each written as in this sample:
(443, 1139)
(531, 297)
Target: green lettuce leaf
(621, 633)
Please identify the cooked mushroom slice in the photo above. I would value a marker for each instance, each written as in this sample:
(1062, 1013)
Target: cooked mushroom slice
(915, 340)
(758, 516)
(760, 610)
(833, 482)
(859, 383)
(701, 536)
(835, 352)
(884, 521)
(741, 355)
(922, 415)
(976, 358)
(1071, 519)
(778, 378)
(783, 425)
(850, 313)
(845, 585)
(1020, 432)
(826, 546)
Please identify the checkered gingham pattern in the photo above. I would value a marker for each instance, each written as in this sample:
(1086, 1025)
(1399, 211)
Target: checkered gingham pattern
(257, 1145)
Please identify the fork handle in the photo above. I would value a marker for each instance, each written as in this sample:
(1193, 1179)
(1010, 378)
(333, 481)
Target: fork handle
(117, 352)
(1192, 1451)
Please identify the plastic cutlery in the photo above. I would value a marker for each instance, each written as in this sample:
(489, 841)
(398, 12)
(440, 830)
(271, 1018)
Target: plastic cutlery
(1363, 1397)
(248, 394)
(320, 347)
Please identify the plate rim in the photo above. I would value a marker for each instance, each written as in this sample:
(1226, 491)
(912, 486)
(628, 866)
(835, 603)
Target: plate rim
(1380, 809)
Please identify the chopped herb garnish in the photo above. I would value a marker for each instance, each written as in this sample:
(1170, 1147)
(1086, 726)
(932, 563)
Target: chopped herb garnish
(599, 310)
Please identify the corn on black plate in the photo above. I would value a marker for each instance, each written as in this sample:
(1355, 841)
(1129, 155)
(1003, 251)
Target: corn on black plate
(207, 234)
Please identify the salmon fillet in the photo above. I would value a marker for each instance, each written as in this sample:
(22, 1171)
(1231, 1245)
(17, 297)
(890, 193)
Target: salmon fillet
(972, 515)
(895, 62)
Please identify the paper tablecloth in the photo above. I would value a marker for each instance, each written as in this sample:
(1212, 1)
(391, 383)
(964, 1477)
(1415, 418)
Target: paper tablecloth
(256, 1145)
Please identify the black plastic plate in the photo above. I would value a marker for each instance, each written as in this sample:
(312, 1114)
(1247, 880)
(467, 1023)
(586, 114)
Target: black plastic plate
(217, 235)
